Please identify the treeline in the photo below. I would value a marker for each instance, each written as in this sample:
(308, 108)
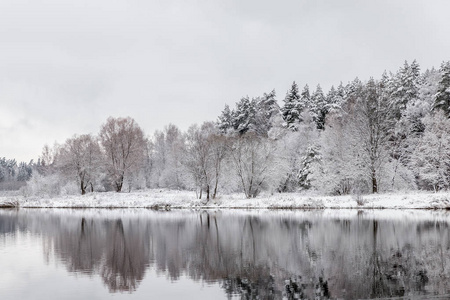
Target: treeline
(13, 175)
(386, 134)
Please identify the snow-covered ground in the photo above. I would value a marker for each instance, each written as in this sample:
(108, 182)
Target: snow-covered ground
(185, 199)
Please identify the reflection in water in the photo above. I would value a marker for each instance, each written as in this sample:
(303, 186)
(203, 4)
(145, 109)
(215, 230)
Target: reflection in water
(265, 255)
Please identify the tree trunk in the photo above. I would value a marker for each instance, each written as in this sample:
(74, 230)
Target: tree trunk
(119, 184)
(374, 183)
(215, 191)
(83, 190)
(215, 186)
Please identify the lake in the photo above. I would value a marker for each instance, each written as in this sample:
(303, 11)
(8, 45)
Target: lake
(237, 254)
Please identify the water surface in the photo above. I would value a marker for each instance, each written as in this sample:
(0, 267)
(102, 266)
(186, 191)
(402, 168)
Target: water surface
(259, 254)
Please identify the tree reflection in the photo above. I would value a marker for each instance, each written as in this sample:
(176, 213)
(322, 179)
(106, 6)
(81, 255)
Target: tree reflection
(126, 258)
(298, 255)
(104, 247)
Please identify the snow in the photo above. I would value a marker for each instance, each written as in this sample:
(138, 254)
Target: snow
(165, 199)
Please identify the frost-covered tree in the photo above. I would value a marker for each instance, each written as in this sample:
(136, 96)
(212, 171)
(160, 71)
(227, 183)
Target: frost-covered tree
(334, 99)
(254, 115)
(124, 145)
(2, 174)
(405, 87)
(81, 158)
(305, 97)
(158, 157)
(8, 167)
(411, 122)
(198, 159)
(268, 105)
(25, 171)
(225, 122)
(167, 148)
(292, 107)
(310, 156)
(292, 148)
(442, 97)
(319, 107)
(47, 160)
(354, 145)
(253, 160)
(267, 110)
(219, 152)
(373, 124)
(339, 167)
(244, 117)
(8, 174)
(431, 158)
(205, 151)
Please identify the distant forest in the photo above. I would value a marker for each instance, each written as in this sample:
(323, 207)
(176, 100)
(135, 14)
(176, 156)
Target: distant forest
(381, 135)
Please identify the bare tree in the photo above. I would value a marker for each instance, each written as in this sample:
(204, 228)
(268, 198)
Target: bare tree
(205, 151)
(219, 146)
(166, 152)
(124, 144)
(196, 159)
(253, 160)
(47, 160)
(370, 122)
(81, 157)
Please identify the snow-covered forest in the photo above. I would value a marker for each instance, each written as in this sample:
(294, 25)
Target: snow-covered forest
(386, 134)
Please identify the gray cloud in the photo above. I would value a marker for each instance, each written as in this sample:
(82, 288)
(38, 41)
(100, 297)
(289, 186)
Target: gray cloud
(65, 66)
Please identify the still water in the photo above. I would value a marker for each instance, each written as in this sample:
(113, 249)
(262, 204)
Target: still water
(142, 254)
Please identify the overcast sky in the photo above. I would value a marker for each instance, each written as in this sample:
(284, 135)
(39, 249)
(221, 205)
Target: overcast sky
(65, 66)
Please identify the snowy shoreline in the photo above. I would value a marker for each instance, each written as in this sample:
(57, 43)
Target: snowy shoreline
(169, 199)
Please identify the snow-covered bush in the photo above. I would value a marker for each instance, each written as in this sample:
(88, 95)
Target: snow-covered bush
(45, 186)
(397, 177)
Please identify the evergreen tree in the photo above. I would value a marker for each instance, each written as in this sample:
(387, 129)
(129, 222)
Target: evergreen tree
(268, 105)
(244, 117)
(250, 115)
(2, 174)
(290, 111)
(225, 122)
(305, 97)
(266, 108)
(334, 99)
(442, 97)
(303, 176)
(405, 86)
(24, 171)
(319, 107)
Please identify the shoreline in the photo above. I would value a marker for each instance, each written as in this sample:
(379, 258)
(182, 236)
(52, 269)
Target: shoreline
(171, 199)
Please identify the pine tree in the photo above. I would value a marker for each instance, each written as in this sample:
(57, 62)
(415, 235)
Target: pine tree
(303, 176)
(225, 122)
(290, 110)
(24, 172)
(319, 107)
(442, 97)
(250, 115)
(334, 99)
(244, 117)
(268, 104)
(305, 98)
(266, 108)
(405, 86)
